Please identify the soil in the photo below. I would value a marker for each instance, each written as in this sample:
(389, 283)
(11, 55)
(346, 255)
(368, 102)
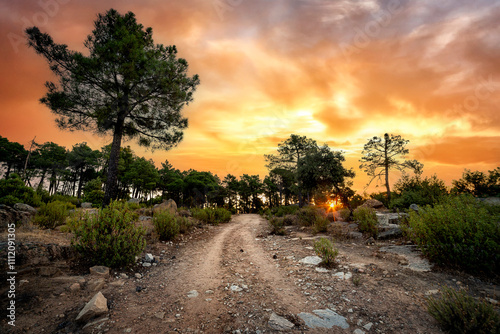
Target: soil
(230, 279)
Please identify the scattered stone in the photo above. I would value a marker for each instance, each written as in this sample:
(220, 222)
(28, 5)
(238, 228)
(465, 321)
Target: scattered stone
(101, 271)
(324, 319)
(390, 233)
(412, 255)
(160, 315)
(74, 287)
(313, 260)
(127, 330)
(134, 200)
(23, 282)
(355, 235)
(370, 241)
(123, 275)
(279, 323)
(192, 294)
(209, 292)
(97, 306)
(368, 326)
(138, 276)
(432, 292)
(492, 301)
(24, 208)
(146, 264)
(69, 279)
(96, 284)
(119, 282)
(96, 322)
(373, 203)
(358, 331)
(86, 205)
(322, 270)
(236, 288)
(149, 257)
(343, 276)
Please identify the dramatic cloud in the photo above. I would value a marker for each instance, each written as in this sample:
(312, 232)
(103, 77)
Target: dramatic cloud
(336, 71)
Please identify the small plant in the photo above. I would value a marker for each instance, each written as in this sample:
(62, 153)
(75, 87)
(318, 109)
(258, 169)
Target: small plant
(212, 216)
(52, 214)
(166, 225)
(109, 237)
(324, 249)
(321, 224)
(459, 313)
(366, 220)
(277, 226)
(356, 280)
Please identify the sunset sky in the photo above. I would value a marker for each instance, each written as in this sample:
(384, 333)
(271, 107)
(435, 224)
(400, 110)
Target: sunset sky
(339, 72)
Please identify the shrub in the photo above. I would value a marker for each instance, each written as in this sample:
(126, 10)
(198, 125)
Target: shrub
(109, 238)
(321, 224)
(212, 216)
(166, 225)
(457, 312)
(93, 193)
(277, 226)
(324, 249)
(308, 215)
(289, 220)
(366, 220)
(285, 210)
(415, 190)
(13, 190)
(459, 232)
(64, 198)
(345, 213)
(52, 214)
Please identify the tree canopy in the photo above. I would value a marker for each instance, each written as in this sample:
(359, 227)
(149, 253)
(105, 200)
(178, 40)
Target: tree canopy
(126, 86)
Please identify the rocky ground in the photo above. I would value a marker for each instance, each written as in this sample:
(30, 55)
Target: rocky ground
(234, 278)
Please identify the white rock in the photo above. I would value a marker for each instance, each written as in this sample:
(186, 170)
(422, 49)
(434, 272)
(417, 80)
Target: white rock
(98, 305)
(314, 260)
(358, 331)
(279, 323)
(368, 326)
(149, 257)
(192, 294)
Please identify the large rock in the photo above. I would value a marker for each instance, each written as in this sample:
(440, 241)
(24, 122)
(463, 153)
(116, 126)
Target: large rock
(100, 271)
(97, 306)
(373, 203)
(11, 215)
(168, 205)
(86, 205)
(134, 200)
(279, 323)
(490, 200)
(324, 319)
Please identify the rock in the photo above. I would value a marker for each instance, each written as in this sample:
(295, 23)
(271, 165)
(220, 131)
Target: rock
(24, 208)
(358, 331)
(370, 241)
(431, 292)
(185, 213)
(74, 287)
(70, 279)
(9, 215)
(160, 315)
(322, 270)
(373, 203)
(490, 200)
(97, 306)
(343, 276)
(49, 271)
(96, 284)
(100, 271)
(324, 319)
(146, 264)
(134, 200)
(119, 282)
(149, 257)
(368, 326)
(314, 260)
(414, 207)
(123, 275)
(390, 219)
(96, 322)
(192, 294)
(236, 288)
(355, 235)
(168, 205)
(144, 218)
(138, 276)
(391, 233)
(279, 323)
(86, 205)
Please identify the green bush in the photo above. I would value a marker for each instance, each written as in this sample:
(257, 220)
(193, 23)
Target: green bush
(52, 214)
(166, 225)
(345, 213)
(459, 313)
(109, 237)
(212, 216)
(366, 220)
(308, 215)
(277, 226)
(289, 220)
(324, 249)
(321, 224)
(64, 198)
(284, 210)
(415, 190)
(13, 190)
(460, 232)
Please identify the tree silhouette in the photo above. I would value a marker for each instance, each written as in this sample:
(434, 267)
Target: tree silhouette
(382, 154)
(127, 86)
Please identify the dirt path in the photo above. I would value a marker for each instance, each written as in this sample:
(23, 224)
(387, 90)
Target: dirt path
(237, 285)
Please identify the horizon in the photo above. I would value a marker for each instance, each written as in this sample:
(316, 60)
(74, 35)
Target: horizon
(339, 73)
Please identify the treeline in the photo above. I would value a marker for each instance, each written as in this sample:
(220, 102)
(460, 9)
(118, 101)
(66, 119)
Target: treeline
(300, 172)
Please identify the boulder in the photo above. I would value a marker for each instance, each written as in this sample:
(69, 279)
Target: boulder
(24, 208)
(86, 205)
(414, 207)
(168, 205)
(490, 200)
(373, 203)
(97, 306)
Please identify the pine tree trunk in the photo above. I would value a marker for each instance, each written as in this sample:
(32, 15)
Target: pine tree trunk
(386, 162)
(114, 157)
